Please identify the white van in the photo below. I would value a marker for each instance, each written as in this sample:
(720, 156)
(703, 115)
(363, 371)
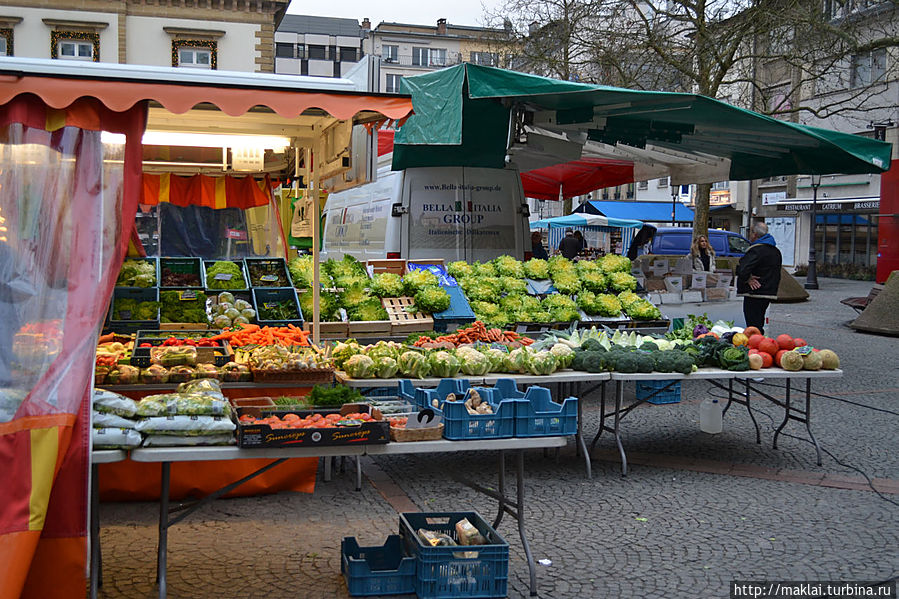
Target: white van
(453, 213)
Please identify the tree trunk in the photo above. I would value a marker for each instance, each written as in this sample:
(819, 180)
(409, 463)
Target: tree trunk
(701, 208)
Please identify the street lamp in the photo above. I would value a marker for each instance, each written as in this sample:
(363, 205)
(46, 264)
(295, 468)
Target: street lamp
(811, 277)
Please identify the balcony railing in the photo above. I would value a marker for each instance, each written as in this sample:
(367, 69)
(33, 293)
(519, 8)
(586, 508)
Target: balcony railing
(433, 62)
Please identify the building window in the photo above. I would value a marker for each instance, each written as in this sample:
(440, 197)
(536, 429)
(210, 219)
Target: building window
(75, 45)
(318, 52)
(428, 57)
(390, 53)
(488, 59)
(721, 185)
(393, 83)
(348, 55)
(285, 50)
(6, 46)
(194, 54)
(868, 67)
(663, 183)
(642, 185)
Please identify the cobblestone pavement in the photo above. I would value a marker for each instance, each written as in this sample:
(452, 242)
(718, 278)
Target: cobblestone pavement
(695, 511)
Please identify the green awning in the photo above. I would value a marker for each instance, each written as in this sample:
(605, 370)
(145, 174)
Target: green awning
(462, 117)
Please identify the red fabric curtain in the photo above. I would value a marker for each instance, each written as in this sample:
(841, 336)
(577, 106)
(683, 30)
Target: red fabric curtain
(68, 201)
(203, 190)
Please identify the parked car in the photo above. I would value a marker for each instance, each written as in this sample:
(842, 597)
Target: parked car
(677, 240)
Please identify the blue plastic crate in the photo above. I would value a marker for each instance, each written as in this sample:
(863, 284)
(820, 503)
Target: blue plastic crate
(537, 415)
(456, 572)
(268, 267)
(183, 265)
(423, 397)
(207, 264)
(459, 425)
(459, 311)
(153, 260)
(384, 570)
(508, 388)
(263, 295)
(124, 324)
(659, 392)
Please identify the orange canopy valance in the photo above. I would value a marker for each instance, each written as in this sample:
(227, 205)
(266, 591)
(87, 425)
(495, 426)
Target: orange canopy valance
(203, 190)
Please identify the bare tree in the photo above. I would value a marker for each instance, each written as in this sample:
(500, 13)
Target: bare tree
(780, 57)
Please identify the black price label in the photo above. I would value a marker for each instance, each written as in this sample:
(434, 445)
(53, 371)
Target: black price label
(187, 295)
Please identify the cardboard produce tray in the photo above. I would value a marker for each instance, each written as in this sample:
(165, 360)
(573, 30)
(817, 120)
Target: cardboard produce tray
(402, 321)
(262, 435)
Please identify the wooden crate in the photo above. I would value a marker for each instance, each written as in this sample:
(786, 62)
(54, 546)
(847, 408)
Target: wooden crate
(396, 266)
(329, 329)
(366, 327)
(182, 326)
(403, 322)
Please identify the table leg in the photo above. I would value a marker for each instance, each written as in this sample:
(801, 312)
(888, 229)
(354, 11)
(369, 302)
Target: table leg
(786, 414)
(808, 417)
(602, 415)
(758, 431)
(579, 440)
(730, 396)
(619, 400)
(358, 474)
(532, 568)
(326, 474)
(502, 489)
(96, 559)
(163, 529)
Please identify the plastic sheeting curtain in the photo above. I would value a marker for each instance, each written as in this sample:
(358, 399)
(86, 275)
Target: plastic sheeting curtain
(65, 199)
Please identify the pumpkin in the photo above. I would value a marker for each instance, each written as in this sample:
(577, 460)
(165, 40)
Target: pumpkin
(799, 342)
(785, 342)
(750, 331)
(779, 356)
(754, 340)
(767, 359)
(768, 346)
(740, 339)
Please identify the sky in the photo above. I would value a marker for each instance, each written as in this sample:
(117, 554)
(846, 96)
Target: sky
(419, 12)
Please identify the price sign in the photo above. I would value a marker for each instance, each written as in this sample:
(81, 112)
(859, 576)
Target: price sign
(426, 418)
(223, 276)
(186, 296)
(269, 278)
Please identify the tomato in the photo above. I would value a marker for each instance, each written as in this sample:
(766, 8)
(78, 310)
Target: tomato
(146, 345)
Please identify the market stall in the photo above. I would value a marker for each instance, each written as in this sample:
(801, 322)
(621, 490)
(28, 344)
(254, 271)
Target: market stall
(69, 201)
(589, 223)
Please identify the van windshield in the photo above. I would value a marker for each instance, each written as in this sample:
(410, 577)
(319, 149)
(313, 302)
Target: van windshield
(737, 245)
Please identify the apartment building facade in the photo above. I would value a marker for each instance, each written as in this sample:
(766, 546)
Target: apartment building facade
(406, 50)
(317, 46)
(205, 34)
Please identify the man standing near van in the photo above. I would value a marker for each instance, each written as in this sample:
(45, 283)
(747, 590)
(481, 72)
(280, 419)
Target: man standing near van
(758, 275)
(569, 246)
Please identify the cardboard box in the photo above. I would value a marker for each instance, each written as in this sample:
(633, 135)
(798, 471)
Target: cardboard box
(674, 284)
(655, 298)
(715, 294)
(670, 298)
(641, 280)
(659, 267)
(698, 280)
(655, 284)
(691, 297)
(262, 435)
(683, 266)
(725, 280)
(711, 280)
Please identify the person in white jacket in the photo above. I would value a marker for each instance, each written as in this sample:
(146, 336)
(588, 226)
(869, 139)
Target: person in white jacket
(703, 255)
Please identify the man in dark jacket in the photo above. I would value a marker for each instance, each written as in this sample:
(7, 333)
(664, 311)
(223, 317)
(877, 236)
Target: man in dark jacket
(758, 275)
(569, 246)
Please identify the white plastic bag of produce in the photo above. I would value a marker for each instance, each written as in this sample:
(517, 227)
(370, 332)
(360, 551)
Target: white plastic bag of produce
(170, 404)
(102, 420)
(173, 441)
(200, 386)
(113, 403)
(115, 438)
(185, 425)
